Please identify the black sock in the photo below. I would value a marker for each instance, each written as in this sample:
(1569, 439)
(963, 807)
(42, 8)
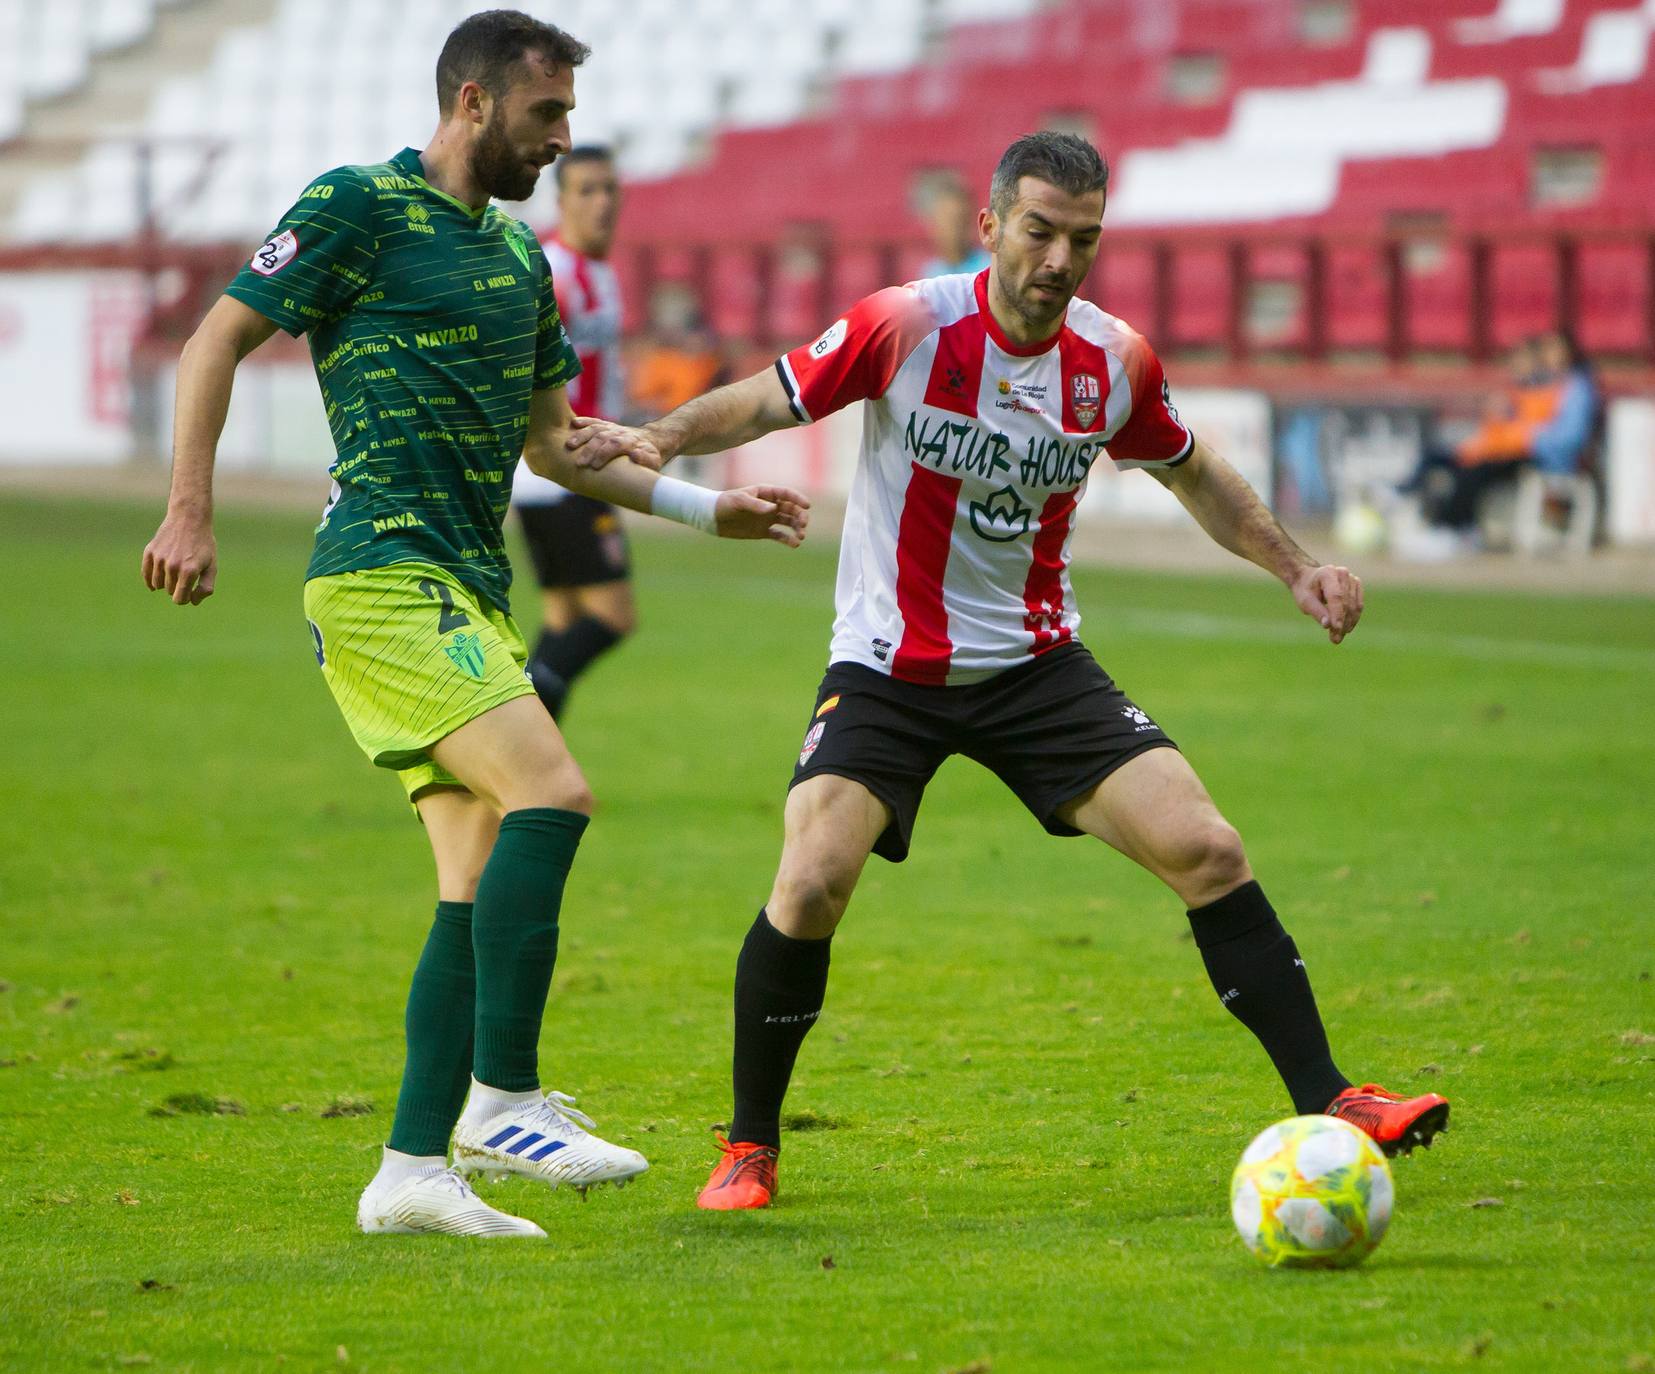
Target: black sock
(780, 984)
(562, 656)
(1256, 971)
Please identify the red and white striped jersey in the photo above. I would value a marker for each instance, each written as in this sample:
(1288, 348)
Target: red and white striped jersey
(589, 300)
(954, 564)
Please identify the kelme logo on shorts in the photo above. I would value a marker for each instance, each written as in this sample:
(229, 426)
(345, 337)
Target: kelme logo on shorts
(466, 654)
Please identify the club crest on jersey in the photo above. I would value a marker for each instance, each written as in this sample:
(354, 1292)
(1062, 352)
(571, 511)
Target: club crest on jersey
(1002, 517)
(466, 654)
(1087, 397)
(813, 737)
(271, 257)
(517, 241)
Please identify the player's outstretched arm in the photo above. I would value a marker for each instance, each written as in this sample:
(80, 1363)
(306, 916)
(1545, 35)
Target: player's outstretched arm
(182, 559)
(722, 419)
(761, 512)
(1231, 512)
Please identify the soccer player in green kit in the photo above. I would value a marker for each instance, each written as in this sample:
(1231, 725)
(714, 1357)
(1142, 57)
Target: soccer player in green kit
(441, 358)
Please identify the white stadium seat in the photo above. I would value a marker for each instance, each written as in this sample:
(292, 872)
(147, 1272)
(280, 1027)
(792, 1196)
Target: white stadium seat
(120, 23)
(1513, 19)
(1283, 150)
(1613, 49)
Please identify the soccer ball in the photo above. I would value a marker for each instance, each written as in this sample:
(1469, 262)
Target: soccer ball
(1359, 528)
(1312, 1192)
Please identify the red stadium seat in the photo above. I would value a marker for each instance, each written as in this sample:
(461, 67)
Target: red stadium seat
(1109, 64)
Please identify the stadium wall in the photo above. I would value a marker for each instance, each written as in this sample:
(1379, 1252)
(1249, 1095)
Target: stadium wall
(78, 389)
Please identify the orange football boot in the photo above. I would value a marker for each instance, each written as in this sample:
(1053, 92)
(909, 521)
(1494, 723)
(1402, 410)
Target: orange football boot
(1396, 1123)
(745, 1176)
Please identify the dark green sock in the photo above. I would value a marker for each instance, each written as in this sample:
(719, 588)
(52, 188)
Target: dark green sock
(514, 935)
(441, 1007)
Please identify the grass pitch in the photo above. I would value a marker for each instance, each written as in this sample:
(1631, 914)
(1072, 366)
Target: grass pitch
(1013, 1130)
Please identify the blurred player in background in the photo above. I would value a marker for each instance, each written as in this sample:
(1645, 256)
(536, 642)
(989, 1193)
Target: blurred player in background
(952, 221)
(434, 329)
(989, 398)
(577, 543)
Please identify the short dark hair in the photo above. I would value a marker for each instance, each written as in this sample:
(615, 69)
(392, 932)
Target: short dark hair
(485, 47)
(1066, 161)
(582, 153)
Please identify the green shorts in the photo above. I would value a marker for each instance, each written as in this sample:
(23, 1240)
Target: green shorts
(411, 654)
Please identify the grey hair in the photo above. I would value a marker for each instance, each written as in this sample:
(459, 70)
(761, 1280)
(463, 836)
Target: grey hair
(1065, 161)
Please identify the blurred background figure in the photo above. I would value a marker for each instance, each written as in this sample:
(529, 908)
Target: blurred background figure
(1544, 422)
(951, 219)
(577, 544)
(677, 358)
(1510, 417)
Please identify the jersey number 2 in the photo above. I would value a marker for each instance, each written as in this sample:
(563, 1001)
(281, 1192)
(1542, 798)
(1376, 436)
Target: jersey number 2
(450, 618)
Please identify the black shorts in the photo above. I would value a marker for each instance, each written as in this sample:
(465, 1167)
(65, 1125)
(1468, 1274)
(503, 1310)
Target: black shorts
(1050, 730)
(576, 542)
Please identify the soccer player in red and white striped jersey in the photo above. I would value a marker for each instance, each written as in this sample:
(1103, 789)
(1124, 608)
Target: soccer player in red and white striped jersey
(578, 544)
(987, 401)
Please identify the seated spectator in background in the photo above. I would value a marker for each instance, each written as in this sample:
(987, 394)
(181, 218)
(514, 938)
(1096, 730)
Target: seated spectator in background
(1508, 417)
(1563, 445)
(678, 359)
(952, 215)
(1551, 428)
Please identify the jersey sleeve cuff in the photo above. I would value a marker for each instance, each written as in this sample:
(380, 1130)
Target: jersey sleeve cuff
(285, 320)
(791, 387)
(1185, 452)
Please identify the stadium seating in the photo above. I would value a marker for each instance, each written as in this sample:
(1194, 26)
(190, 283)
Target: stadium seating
(801, 131)
(1434, 117)
(46, 50)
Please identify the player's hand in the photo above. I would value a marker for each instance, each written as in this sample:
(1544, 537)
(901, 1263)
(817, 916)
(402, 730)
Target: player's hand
(778, 513)
(597, 443)
(182, 559)
(1330, 596)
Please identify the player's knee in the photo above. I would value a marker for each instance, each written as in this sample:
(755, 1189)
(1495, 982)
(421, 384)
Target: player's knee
(1223, 861)
(561, 787)
(807, 903)
(573, 794)
(1210, 860)
(614, 608)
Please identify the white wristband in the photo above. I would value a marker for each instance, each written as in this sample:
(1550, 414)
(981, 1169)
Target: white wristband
(686, 503)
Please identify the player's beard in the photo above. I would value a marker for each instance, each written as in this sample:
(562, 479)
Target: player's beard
(498, 167)
(1039, 312)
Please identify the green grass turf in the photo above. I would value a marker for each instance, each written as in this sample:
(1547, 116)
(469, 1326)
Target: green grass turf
(1014, 1126)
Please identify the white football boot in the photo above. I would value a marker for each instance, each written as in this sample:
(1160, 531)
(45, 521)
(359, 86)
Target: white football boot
(441, 1202)
(546, 1139)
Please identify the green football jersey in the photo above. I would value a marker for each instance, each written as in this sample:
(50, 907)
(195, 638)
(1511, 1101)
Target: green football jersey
(430, 324)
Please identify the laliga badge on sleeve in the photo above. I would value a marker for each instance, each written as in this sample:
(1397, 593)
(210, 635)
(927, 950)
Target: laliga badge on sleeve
(830, 340)
(276, 254)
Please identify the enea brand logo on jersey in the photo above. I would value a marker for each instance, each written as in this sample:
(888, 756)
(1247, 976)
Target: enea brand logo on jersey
(1087, 396)
(276, 254)
(830, 341)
